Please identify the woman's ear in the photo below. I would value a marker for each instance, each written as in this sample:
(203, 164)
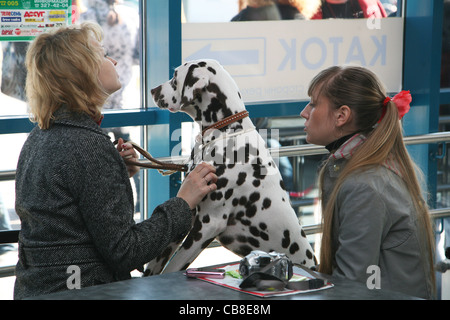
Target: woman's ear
(343, 115)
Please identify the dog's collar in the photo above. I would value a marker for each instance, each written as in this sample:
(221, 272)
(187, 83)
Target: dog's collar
(227, 121)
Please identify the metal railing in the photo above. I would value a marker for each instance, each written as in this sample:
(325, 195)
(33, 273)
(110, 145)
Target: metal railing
(288, 151)
(299, 150)
(434, 214)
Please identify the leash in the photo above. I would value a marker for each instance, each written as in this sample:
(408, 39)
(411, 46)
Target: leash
(164, 168)
(227, 121)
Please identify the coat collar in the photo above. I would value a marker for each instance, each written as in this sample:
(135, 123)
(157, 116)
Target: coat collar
(65, 116)
(346, 150)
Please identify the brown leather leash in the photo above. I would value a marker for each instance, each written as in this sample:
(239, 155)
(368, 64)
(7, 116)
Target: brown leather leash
(165, 168)
(227, 121)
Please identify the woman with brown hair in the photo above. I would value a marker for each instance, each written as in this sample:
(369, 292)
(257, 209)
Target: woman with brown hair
(373, 208)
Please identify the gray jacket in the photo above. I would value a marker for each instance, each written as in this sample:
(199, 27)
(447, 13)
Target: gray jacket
(75, 202)
(375, 224)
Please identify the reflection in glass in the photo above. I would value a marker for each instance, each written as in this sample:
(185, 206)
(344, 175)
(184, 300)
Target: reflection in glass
(8, 251)
(131, 134)
(120, 22)
(13, 75)
(257, 10)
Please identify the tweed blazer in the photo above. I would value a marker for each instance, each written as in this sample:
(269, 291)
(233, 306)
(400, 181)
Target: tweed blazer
(75, 203)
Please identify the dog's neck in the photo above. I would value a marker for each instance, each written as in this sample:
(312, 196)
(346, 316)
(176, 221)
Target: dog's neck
(241, 125)
(226, 122)
(217, 112)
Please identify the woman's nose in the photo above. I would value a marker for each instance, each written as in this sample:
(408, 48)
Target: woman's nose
(304, 113)
(114, 62)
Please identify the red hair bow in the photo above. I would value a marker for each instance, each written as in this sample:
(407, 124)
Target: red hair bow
(402, 100)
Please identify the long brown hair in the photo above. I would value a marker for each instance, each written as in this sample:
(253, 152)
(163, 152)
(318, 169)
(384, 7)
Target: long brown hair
(361, 90)
(63, 67)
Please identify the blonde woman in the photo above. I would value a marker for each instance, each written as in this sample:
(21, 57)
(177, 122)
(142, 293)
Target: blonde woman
(373, 210)
(73, 192)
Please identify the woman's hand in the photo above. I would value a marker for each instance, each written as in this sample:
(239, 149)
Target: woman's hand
(199, 182)
(127, 152)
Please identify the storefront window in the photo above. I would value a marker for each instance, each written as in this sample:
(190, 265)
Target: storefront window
(273, 51)
(226, 10)
(273, 56)
(120, 22)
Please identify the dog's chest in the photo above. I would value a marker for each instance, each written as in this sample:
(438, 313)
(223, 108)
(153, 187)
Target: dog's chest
(247, 175)
(231, 148)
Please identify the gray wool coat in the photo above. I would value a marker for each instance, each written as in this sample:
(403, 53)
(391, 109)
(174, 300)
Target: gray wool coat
(75, 202)
(375, 223)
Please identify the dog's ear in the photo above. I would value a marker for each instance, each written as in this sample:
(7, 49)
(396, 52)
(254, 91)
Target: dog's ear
(196, 81)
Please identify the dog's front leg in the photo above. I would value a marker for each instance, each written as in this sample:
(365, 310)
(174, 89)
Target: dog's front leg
(157, 265)
(201, 235)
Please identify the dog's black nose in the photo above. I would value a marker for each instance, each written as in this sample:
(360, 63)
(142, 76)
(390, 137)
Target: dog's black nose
(156, 91)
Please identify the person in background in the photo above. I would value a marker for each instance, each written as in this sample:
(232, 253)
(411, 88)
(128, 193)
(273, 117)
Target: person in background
(297, 9)
(257, 10)
(373, 210)
(13, 69)
(73, 191)
(348, 9)
(120, 25)
(4, 226)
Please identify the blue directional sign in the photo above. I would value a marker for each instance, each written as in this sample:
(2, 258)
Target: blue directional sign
(276, 60)
(227, 57)
(244, 57)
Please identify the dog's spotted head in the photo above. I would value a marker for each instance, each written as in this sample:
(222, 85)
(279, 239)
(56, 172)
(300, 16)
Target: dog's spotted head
(196, 88)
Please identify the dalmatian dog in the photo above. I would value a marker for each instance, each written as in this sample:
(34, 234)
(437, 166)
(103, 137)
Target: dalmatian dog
(250, 209)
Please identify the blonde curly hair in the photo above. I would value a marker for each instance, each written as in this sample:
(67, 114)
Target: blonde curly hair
(63, 67)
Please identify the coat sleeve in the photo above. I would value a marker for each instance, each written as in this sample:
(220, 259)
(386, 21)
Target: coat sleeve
(358, 228)
(107, 208)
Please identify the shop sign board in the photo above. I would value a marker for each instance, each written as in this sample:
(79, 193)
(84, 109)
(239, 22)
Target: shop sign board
(275, 60)
(24, 20)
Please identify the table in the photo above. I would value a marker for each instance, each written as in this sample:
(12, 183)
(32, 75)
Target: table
(176, 286)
